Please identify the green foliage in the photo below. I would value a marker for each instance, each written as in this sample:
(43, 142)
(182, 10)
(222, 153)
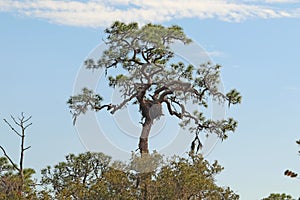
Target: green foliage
(113, 81)
(145, 163)
(16, 182)
(5, 167)
(191, 178)
(73, 177)
(94, 176)
(152, 77)
(10, 182)
(233, 97)
(84, 101)
(277, 196)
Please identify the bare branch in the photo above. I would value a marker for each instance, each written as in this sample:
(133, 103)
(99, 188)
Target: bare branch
(179, 104)
(156, 72)
(27, 125)
(156, 92)
(148, 51)
(19, 124)
(123, 103)
(10, 160)
(179, 115)
(144, 57)
(26, 120)
(109, 106)
(146, 75)
(133, 59)
(201, 95)
(164, 94)
(27, 148)
(188, 115)
(158, 58)
(12, 128)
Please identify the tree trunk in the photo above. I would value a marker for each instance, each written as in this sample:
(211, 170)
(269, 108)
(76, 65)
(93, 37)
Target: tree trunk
(22, 155)
(143, 144)
(21, 172)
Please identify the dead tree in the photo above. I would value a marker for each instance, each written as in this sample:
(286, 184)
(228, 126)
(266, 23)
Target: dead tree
(22, 124)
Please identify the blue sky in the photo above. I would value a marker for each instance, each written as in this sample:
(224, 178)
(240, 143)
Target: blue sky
(43, 45)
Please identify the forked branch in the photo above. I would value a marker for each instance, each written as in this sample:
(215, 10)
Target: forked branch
(22, 123)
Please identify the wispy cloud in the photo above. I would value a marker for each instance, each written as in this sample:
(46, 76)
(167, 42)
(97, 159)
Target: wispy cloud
(100, 13)
(274, 1)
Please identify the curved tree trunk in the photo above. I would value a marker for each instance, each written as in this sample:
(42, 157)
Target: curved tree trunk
(145, 111)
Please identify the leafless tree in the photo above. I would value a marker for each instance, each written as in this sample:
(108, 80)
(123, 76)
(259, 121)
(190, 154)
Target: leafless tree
(22, 123)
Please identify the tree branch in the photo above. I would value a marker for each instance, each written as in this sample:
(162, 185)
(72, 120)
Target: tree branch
(10, 160)
(27, 125)
(177, 114)
(156, 72)
(123, 103)
(109, 106)
(188, 115)
(201, 94)
(145, 75)
(26, 120)
(156, 92)
(164, 94)
(116, 107)
(12, 128)
(19, 124)
(27, 148)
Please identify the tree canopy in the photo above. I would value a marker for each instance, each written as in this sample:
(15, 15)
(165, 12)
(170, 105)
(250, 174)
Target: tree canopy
(278, 196)
(148, 75)
(95, 176)
(12, 186)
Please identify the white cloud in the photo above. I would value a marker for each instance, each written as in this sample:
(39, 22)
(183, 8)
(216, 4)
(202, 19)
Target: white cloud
(275, 1)
(100, 13)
